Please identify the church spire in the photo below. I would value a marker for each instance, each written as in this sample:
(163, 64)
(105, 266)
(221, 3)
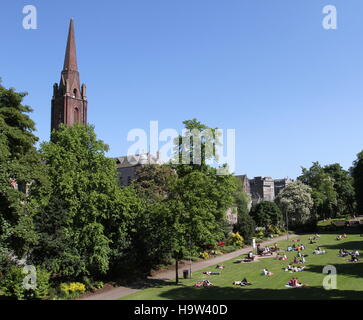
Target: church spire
(69, 102)
(70, 61)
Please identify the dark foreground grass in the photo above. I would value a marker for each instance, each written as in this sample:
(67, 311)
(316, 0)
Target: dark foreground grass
(349, 278)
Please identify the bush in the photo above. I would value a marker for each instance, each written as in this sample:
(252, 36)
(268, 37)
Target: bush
(235, 239)
(246, 227)
(72, 290)
(12, 285)
(204, 255)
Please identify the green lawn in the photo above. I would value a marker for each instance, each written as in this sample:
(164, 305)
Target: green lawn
(349, 279)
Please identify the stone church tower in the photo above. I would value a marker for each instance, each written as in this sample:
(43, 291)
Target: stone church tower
(69, 102)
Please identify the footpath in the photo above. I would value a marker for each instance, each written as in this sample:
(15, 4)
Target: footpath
(115, 293)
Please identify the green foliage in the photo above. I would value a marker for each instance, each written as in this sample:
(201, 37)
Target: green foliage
(83, 211)
(323, 193)
(235, 239)
(343, 186)
(266, 213)
(296, 203)
(11, 284)
(19, 163)
(357, 174)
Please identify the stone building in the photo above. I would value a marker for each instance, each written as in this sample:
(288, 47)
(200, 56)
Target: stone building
(262, 189)
(281, 184)
(128, 165)
(69, 102)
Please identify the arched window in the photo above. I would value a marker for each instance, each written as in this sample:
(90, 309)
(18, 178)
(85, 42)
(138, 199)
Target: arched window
(76, 115)
(75, 93)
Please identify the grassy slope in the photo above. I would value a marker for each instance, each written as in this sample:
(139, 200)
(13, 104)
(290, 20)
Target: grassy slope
(349, 280)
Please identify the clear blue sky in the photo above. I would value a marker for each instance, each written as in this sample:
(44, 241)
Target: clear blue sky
(291, 89)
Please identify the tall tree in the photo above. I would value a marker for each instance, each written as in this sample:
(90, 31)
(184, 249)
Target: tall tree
(84, 211)
(19, 168)
(323, 192)
(266, 213)
(357, 174)
(245, 226)
(343, 186)
(296, 203)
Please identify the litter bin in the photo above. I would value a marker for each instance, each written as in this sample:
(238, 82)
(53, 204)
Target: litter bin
(186, 274)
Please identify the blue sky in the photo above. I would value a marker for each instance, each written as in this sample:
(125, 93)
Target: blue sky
(290, 88)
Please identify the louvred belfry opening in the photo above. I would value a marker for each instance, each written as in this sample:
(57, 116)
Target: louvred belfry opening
(69, 102)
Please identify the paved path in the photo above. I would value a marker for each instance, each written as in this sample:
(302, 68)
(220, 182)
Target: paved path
(119, 292)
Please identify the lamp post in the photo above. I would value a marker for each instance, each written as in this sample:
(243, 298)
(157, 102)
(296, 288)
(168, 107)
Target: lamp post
(190, 258)
(287, 225)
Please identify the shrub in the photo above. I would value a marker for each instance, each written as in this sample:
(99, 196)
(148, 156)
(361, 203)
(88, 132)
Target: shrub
(235, 239)
(204, 255)
(12, 285)
(72, 290)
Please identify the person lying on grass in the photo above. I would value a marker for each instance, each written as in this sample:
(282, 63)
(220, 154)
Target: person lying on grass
(292, 269)
(204, 283)
(343, 253)
(220, 267)
(319, 251)
(244, 282)
(353, 258)
(294, 283)
(267, 273)
(208, 273)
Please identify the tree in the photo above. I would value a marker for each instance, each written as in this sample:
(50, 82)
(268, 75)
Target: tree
(84, 213)
(19, 168)
(343, 186)
(323, 192)
(266, 213)
(296, 204)
(245, 226)
(357, 174)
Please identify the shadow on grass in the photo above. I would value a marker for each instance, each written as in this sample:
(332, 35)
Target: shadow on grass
(348, 245)
(146, 283)
(239, 293)
(348, 269)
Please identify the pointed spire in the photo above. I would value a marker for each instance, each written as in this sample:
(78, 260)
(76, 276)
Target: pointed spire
(70, 61)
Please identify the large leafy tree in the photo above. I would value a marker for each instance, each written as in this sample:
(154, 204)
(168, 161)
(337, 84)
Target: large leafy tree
(83, 221)
(343, 185)
(323, 192)
(266, 213)
(357, 174)
(19, 168)
(296, 203)
(245, 226)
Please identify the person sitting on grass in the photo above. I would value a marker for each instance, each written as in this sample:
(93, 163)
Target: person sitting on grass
(290, 249)
(356, 252)
(204, 283)
(339, 238)
(296, 261)
(294, 283)
(267, 273)
(303, 261)
(344, 236)
(251, 256)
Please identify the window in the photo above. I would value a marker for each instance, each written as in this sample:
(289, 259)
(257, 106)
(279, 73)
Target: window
(76, 115)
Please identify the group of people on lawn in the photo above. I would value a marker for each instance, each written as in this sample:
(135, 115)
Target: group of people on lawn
(298, 260)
